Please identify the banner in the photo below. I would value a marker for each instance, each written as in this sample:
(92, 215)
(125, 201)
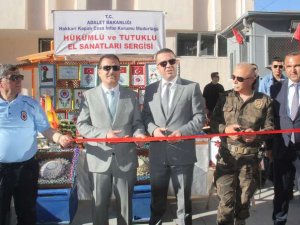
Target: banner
(102, 32)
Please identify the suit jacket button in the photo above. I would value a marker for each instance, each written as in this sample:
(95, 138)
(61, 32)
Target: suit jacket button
(113, 153)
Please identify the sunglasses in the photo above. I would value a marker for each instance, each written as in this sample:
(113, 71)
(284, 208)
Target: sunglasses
(240, 79)
(165, 63)
(15, 77)
(275, 66)
(108, 68)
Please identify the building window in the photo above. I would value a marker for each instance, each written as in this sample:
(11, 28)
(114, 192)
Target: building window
(280, 46)
(45, 44)
(222, 46)
(187, 45)
(207, 46)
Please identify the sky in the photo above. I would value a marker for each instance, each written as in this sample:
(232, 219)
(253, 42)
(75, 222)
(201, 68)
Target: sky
(277, 5)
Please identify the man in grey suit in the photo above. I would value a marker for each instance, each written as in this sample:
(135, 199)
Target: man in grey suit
(111, 111)
(172, 107)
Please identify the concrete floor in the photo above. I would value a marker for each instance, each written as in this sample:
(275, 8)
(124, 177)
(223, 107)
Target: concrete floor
(261, 212)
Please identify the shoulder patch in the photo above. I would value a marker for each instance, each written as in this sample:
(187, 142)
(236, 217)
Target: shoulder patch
(258, 103)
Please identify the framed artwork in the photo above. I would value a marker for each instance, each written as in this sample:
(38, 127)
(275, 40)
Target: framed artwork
(72, 116)
(137, 75)
(46, 74)
(152, 73)
(141, 95)
(124, 75)
(61, 115)
(67, 72)
(48, 91)
(88, 76)
(77, 97)
(63, 98)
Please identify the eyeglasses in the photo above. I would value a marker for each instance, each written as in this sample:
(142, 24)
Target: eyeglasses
(240, 79)
(165, 63)
(275, 66)
(108, 68)
(15, 77)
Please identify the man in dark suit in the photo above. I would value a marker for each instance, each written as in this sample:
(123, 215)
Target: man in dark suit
(172, 107)
(110, 111)
(286, 147)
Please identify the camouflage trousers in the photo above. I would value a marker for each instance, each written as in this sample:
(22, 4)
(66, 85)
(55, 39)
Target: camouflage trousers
(236, 179)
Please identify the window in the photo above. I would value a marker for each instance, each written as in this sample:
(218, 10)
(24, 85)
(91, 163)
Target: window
(207, 46)
(45, 44)
(187, 45)
(222, 46)
(280, 46)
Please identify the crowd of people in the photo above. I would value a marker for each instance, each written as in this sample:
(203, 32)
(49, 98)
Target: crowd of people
(173, 107)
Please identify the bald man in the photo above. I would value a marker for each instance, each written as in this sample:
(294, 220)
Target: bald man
(239, 109)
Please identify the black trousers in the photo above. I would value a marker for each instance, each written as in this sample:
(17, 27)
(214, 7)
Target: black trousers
(19, 180)
(283, 179)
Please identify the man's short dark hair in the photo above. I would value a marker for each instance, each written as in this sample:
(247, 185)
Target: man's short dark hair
(277, 59)
(163, 50)
(108, 56)
(6, 69)
(293, 54)
(214, 74)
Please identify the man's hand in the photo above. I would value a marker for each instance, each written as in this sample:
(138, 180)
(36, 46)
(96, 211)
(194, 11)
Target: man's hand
(64, 140)
(234, 128)
(159, 132)
(113, 133)
(248, 137)
(140, 143)
(175, 133)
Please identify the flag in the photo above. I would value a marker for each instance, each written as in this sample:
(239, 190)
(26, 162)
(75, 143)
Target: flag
(239, 38)
(296, 34)
(88, 70)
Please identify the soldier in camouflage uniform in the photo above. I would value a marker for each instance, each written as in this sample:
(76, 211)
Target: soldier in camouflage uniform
(240, 109)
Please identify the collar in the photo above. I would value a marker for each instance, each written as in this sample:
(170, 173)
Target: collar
(172, 82)
(116, 89)
(291, 83)
(3, 100)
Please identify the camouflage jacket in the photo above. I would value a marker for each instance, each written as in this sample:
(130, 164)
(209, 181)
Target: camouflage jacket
(255, 113)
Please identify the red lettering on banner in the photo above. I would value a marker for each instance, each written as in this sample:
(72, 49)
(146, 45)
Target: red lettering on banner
(84, 37)
(138, 46)
(100, 46)
(112, 37)
(138, 37)
(71, 46)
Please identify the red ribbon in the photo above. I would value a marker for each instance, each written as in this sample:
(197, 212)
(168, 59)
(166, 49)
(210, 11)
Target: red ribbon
(150, 139)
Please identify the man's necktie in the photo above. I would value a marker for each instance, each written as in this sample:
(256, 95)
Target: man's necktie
(295, 103)
(294, 108)
(165, 99)
(111, 103)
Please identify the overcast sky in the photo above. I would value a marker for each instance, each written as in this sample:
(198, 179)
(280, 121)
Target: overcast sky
(277, 5)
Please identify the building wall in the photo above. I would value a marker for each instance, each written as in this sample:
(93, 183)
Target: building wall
(30, 20)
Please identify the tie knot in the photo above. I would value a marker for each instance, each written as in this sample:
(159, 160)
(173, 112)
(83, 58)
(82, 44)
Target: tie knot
(111, 92)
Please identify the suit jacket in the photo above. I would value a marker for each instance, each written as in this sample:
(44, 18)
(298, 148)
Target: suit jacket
(186, 114)
(279, 92)
(94, 121)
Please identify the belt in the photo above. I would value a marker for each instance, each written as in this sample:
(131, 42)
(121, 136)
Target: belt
(242, 150)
